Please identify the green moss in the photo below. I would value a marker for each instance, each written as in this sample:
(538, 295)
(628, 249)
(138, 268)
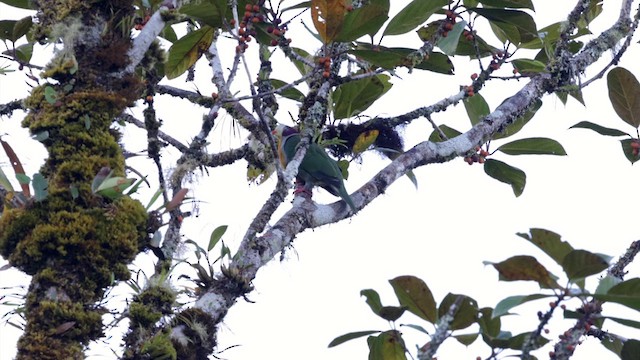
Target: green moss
(199, 328)
(144, 316)
(159, 347)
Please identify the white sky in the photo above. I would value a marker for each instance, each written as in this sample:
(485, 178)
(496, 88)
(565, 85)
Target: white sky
(442, 232)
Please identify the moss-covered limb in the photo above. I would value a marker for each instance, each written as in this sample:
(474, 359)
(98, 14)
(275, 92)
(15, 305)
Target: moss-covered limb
(8, 108)
(75, 243)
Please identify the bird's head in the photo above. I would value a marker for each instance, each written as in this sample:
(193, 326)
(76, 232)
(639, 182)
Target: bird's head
(281, 133)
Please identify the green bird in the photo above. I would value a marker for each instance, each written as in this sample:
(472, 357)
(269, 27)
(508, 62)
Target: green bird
(316, 169)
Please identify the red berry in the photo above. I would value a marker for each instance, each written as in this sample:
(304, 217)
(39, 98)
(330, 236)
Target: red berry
(274, 42)
(248, 7)
(635, 144)
(256, 8)
(326, 74)
(474, 76)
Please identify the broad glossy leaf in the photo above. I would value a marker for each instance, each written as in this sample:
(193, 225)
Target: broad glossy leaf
(209, 12)
(549, 242)
(414, 294)
(301, 66)
(373, 300)
(467, 312)
(350, 336)
(391, 313)
(524, 267)
(449, 44)
(599, 129)
(466, 339)
(516, 4)
(526, 66)
(628, 150)
(579, 264)
(606, 283)
(489, 325)
(22, 4)
(168, 34)
(624, 93)
(216, 235)
(22, 27)
(438, 63)
(505, 19)
(505, 32)
(533, 146)
(364, 140)
(630, 350)
(390, 58)
(626, 293)
(506, 304)
(412, 15)
(367, 19)
(113, 187)
(449, 132)
(187, 50)
(328, 17)
(387, 346)
(516, 342)
(519, 123)
(506, 174)
(6, 29)
(355, 97)
(24, 52)
(290, 93)
(476, 107)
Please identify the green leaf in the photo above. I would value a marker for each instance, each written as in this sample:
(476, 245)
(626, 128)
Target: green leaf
(367, 19)
(526, 66)
(355, 97)
(4, 181)
(466, 339)
(6, 29)
(516, 4)
(40, 185)
(579, 264)
(467, 312)
(524, 267)
(168, 34)
(549, 242)
(23, 179)
(533, 146)
(390, 58)
(628, 150)
(391, 313)
(387, 346)
(599, 129)
(290, 93)
(626, 293)
(216, 235)
(412, 15)
(50, 95)
(350, 336)
(506, 304)
(23, 52)
(412, 176)
(22, 4)
(489, 325)
(187, 50)
(449, 44)
(630, 350)
(153, 199)
(113, 187)
(519, 123)
(415, 295)
(506, 174)
(22, 27)
(373, 300)
(476, 107)
(606, 283)
(624, 93)
(448, 132)
(509, 19)
(209, 12)
(516, 342)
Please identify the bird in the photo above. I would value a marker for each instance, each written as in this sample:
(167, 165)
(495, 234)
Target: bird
(316, 168)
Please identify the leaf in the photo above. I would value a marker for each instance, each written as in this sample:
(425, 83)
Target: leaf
(508, 19)
(209, 12)
(524, 267)
(628, 150)
(549, 242)
(216, 235)
(506, 304)
(412, 15)
(476, 107)
(177, 199)
(506, 174)
(533, 146)
(22, 27)
(390, 58)
(579, 264)
(449, 44)
(22, 4)
(113, 187)
(626, 293)
(6, 29)
(50, 95)
(40, 185)
(290, 93)
(364, 140)
(187, 50)
(387, 346)
(391, 313)
(4, 182)
(527, 4)
(489, 325)
(23, 52)
(624, 93)
(412, 176)
(350, 336)
(599, 129)
(630, 350)
(449, 133)
(467, 312)
(373, 300)
(367, 19)
(526, 66)
(415, 295)
(17, 166)
(328, 17)
(104, 173)
(355, 97)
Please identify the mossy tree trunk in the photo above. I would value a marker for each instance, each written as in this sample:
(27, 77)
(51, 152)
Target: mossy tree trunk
(75, 243)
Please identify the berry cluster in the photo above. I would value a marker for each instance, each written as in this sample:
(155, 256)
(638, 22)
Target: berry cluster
(141, 22)
(468, 35)
(254, 15)
(448, 22)
(325, 63)
(478, 157)
(498, 58)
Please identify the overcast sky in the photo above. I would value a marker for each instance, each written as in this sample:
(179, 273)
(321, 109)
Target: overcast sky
(441, 232)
